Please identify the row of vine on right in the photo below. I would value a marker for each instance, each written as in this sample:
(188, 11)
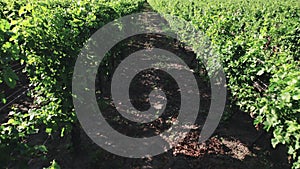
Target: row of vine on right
(259, 45)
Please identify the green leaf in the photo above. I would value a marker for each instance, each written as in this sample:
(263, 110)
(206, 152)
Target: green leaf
(54, 165)
(296, 97)
(10, 121)
(259, 73)
(41, 148)
(274, 142)
(62, 132)
(286, 97)
(22, 10)
(10, 78)
(4, 24)
(48, 130)
(3, 100)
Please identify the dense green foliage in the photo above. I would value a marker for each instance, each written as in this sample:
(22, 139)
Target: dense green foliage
(259, 45)
(47, 36)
